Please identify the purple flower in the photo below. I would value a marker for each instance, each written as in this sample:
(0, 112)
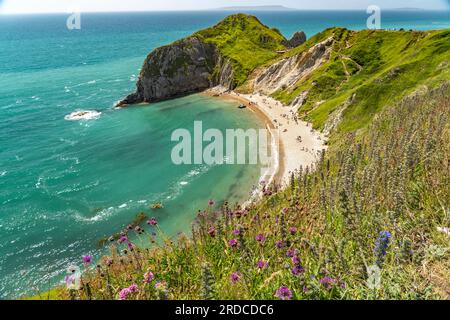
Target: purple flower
(233, 243)
(295, 260)
(236, 232)
(283, 293)
(260, 238)
(122, 239)
(133, 288)
(87, 259)
(261, 264)
(291, 253)
(123, 294)
(212, 232)
(152, 222)
(297, 270)
(292, 230)
(235, 277)
(328, 282)
(381, 246)
(211, 202)
(148, 277)
(279, 244)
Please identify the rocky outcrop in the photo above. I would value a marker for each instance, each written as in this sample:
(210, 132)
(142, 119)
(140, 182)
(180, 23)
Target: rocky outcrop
(184, 67)
(289, 71)
(297, 39)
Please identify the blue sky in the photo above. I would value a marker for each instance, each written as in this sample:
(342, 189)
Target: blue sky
(30, 6)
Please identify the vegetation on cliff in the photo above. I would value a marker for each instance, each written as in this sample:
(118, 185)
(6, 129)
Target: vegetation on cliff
(377, 200)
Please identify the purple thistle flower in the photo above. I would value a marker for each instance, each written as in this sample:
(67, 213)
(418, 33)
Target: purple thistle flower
(261, 264)
(292, 230)
(212, 232)
(291, 253)
(123, 294)
(236, 232)
(284, 293)
(152, 222)
(133, 288)
(87, 259)
(235, 277)
(122, 239)
(279, 244)
(295, 260)
(297, 270)
(328, 282)
(260, 238)
(148, 277)
(233, 243)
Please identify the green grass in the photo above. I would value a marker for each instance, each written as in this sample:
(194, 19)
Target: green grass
(383, 67)
(245, 41)
(386, 169)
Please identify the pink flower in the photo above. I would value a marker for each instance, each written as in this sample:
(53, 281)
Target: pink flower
(148, 277)
(261, 264)
(235, 277)
(279, 244)
(212, 232)
(211, 202)
(233, 243)
(260, 238)
(123, 294)
(284, 293)
(236, 232)
(152, 222)
(87, 259)
(292, 230)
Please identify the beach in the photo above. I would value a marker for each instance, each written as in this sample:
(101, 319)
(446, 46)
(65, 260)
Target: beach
(298, 144)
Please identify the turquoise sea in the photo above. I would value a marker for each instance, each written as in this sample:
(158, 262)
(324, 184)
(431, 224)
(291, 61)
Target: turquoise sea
(66, 184)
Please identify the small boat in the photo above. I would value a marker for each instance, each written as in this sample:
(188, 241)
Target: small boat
(242, 106)
(156, 206)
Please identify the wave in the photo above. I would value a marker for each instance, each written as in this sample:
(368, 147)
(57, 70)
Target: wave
(3, 173)
(83, 115)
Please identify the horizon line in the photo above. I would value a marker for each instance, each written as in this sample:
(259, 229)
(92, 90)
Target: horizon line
(214, 9)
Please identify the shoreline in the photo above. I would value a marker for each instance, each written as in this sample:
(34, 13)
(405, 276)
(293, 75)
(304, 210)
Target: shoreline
(298, 143)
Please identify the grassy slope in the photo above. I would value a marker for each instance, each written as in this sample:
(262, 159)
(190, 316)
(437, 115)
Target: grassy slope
(380, 67)
(245, 41)
(390, 176)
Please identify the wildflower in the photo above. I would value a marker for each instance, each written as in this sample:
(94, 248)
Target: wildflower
(295, 260)
(284, 293)
(381, 246)
(212, 232)
(131, 246)
(285, 210)
(235, 277)
(233, 243)
(236, 232)
(292, 230)
(279, 244)
(123, 294)
(291, 253)
(161, 286)
(122, 239)
(297, 270)
(261, 264)
(148, 277)
(109, 262)
(211, 202)
(152, 222)
(133, 288)
(328, 282)
(260, 238)
(87, 259)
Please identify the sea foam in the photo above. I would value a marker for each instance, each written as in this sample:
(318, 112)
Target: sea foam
(83, 115)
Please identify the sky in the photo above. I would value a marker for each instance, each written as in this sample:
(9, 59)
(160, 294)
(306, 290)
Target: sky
(44, 6)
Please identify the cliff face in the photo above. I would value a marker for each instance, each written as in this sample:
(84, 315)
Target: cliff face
(183, 67)
(221, 55)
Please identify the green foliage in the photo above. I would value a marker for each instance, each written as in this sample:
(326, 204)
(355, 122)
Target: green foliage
(245, 41)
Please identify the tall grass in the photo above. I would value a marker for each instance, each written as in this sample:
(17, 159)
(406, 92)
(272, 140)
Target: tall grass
(379, 196)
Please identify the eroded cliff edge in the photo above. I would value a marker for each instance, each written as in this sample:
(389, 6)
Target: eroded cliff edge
(224, 54)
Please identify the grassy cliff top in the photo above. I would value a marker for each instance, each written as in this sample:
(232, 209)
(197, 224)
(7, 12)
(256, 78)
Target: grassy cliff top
(245, 41)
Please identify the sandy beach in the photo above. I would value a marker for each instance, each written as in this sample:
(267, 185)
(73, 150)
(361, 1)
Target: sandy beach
(298, 143)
